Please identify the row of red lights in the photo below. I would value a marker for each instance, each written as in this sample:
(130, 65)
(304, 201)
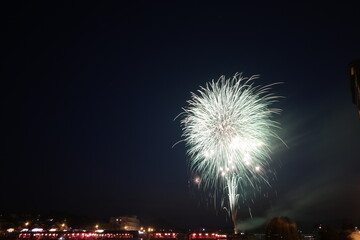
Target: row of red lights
(123, 235)
(83, 235)
(76, 234)
(208, 235)
(164, 235)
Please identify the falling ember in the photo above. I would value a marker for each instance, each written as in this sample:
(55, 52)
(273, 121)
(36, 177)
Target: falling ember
(227, 127)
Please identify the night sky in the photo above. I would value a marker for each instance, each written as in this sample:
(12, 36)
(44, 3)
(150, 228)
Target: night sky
(89, 93)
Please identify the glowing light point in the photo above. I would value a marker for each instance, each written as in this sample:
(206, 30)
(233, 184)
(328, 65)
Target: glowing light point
(197, 180)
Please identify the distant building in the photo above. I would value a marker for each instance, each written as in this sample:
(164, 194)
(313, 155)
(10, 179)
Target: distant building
(354, 73)
(127, 223)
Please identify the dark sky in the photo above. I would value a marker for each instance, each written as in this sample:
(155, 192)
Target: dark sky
(89, 93)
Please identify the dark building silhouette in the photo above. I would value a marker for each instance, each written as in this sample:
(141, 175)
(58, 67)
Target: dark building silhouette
(282, 228)
(354, 74)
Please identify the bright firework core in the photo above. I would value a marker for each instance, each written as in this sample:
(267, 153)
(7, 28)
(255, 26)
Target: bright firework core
(227, 128)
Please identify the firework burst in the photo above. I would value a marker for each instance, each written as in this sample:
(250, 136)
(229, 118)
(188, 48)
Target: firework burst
(227, 127)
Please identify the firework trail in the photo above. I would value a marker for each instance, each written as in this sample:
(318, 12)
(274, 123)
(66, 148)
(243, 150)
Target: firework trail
(227, 127)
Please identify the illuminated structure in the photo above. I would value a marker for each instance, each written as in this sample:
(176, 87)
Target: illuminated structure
(354, 72)
(163, 235)
(207, 235)
(127, 223)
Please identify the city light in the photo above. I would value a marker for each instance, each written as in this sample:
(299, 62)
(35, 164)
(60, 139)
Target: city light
(37, 230)
(207, 236)
(197, 180)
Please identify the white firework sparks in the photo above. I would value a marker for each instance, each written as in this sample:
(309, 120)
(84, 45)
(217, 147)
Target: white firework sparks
(227, 128)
